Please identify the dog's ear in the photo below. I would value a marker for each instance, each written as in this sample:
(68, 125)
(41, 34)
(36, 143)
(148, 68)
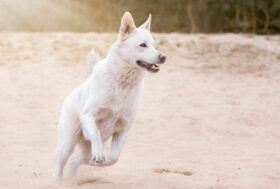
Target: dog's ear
(147, 24)
(127, 26)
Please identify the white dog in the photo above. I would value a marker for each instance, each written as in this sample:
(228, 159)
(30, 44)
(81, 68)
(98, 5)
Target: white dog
(105, 104)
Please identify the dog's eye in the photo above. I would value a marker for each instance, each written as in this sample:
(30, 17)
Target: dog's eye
(143, 45)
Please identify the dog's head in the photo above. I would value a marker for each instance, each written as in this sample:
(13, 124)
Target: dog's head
(136, 45)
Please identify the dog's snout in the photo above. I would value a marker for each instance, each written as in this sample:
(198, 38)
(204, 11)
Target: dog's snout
(162, 58)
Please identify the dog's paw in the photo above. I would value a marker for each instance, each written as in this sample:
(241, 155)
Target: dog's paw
(107, 162)
(97, 158)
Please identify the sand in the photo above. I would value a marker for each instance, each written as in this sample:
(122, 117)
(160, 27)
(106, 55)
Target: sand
(208, 120)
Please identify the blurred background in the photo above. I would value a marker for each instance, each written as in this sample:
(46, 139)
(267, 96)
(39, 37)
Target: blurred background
(209, 119)
(188, 16)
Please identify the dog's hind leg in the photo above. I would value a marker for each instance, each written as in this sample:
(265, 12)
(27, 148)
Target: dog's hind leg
(68, 133)
(83, 158)
(63, 153)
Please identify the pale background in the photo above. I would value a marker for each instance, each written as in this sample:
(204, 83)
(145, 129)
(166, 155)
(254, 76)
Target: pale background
(209, 119)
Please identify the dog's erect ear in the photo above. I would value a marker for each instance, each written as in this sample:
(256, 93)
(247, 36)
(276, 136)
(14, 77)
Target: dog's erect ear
(147, 24)
(127, 26)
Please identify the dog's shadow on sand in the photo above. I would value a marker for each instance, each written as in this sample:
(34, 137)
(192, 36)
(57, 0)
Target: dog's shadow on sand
(93, 181)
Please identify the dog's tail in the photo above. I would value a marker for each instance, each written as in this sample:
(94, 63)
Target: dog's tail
(92, 58)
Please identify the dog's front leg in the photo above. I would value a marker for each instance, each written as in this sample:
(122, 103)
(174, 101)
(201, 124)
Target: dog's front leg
(118, 140)
(91, 133)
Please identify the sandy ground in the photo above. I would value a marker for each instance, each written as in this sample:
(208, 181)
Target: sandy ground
(208, 120)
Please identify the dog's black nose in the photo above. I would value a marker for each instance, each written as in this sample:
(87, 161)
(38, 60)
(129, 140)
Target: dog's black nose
(162, 58)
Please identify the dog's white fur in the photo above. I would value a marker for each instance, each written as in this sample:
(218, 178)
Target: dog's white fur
(105, 104)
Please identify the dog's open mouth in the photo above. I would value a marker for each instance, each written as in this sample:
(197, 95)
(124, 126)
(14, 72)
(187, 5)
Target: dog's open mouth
(150, 67)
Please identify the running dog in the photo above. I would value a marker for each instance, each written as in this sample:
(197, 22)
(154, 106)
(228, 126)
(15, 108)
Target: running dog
(104, 106)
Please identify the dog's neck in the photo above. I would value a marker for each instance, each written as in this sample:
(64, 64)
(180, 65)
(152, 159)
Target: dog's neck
(130, 78)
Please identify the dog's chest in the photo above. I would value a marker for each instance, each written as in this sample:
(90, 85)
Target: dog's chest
(109, 121)
(118, 103)
(116, 113)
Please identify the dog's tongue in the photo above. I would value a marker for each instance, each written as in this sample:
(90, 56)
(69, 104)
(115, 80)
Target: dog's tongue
(147, 64)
